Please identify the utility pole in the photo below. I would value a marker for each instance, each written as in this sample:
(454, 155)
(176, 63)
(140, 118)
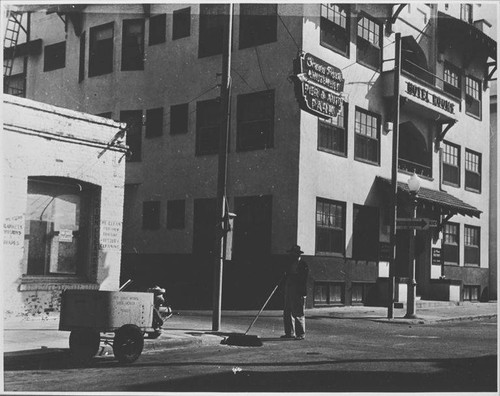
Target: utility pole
(220, 237)
(394, 178)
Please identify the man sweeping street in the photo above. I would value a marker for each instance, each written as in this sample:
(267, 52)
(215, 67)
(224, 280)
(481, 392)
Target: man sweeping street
(295, 295)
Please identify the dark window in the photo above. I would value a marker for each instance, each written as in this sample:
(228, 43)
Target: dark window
(59, 216)
(204, 226)
(207, 127)
(471, 293)
(365, 233)
(133, 45)
(181, 23)
(154, 122)
(258, 24)
(451, 243)
(451, 164)
(151, 215)
(414, 154)
(81, 66)
(179, 118)
(359, 291)
(101, 50)
(176, 211)
(332, 134)
(473, 96)
(472, 170)
(328, 293)
(466, 13)
(157, 29)
(133, 118)
(369, 42)
(15, 84)
(335, 27)
(211, 38)
(255, 121)
(330, 226)
(452, 80)
(54, 56)
(252, 227)
(472, 245)
(366, 136)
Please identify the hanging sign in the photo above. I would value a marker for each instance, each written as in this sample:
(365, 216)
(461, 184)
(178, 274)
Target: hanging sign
(318, 86)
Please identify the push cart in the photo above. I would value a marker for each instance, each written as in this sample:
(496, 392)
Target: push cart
(89, 314)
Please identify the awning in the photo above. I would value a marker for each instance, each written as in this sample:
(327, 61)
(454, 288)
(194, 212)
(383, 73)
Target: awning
(466, 35)
(449, 204)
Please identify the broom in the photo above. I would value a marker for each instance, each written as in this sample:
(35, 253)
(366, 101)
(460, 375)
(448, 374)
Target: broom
(245, 339)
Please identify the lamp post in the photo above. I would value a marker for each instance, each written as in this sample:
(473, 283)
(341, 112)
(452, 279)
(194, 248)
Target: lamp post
(414, 187)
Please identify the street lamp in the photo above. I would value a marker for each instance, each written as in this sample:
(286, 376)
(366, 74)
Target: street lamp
(414, 187)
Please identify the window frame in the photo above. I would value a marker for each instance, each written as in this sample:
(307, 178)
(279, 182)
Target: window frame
(89, 196)
(342, 229)
(359, 135)
(339, 126)
(471, 99)
(260, 98)
(157, 29)
(97, 48)
(129, 62)
(466, 13)
(211, 30)
(329, 285)
(154, 122)
(363, 42)
(338, 29)
(257, 29)
(202, 130)
(448, 84)
(178, 29)
(54, 56)
(472, 234)
(176, 112)
(468, 162)
(455, 246)
(457, 166)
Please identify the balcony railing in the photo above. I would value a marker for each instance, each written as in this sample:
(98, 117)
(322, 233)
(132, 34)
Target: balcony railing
(419, 169)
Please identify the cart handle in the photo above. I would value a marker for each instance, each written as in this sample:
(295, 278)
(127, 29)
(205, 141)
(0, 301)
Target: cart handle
(127, 283)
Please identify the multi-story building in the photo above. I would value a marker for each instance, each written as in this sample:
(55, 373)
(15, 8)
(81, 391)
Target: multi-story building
(310, 151)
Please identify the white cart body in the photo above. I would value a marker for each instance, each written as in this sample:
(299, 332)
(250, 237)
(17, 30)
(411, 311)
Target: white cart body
(105, 311)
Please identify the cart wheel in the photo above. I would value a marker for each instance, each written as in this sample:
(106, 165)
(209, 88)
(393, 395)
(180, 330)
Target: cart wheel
(84, 344)
(128, 343)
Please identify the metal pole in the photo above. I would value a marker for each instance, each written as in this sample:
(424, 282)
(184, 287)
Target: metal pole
(411, 304)
(394, 181)
(220, 236)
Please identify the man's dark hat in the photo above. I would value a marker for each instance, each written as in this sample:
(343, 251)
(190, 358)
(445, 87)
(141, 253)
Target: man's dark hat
(295, 249)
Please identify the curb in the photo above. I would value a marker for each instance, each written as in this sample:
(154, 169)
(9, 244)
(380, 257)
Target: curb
(436, 320)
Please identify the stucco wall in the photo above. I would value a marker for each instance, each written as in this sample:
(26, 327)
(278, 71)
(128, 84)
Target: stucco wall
(41, 140)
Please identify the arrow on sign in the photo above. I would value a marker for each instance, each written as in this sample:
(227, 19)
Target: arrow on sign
(415, 224)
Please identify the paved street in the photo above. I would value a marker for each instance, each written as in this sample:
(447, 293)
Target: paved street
(339, 355)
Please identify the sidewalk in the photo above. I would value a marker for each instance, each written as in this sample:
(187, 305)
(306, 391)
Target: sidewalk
(41, 338)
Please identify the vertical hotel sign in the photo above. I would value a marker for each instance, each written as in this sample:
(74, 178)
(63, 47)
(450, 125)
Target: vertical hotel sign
(318, 86)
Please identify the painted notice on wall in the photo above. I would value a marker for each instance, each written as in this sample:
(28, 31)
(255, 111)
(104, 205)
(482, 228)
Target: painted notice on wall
(111, 235)
(13, 231)
(65, 235)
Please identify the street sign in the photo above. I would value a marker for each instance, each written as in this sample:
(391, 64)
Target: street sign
(415, 224)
